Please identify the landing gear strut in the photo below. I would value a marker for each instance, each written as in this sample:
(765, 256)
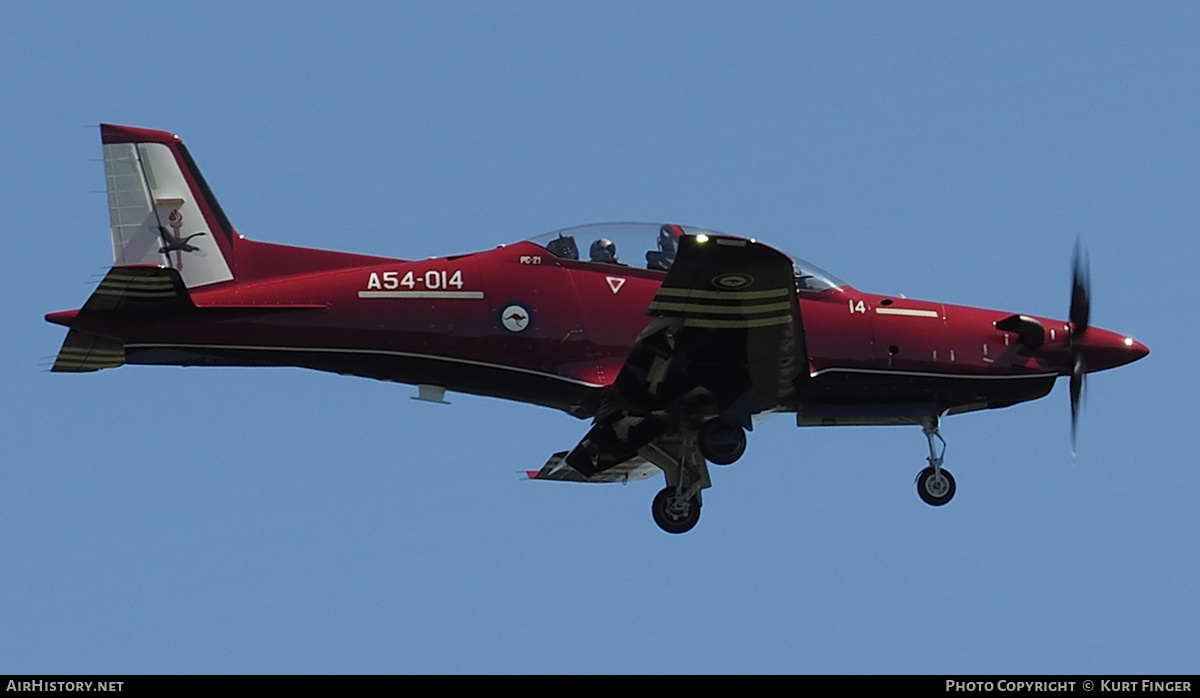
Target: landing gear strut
(676, 508)
(935, 485)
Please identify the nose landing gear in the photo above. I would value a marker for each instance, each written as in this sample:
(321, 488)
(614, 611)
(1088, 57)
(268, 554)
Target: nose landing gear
(935, 485)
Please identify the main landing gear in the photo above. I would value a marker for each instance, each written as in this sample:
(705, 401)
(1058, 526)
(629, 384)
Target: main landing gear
(676, 508)
(721, 443)
(935, 485)
(673, 513)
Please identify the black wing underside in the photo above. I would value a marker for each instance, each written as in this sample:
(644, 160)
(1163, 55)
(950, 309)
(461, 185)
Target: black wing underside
(726, 341)
(556, 468)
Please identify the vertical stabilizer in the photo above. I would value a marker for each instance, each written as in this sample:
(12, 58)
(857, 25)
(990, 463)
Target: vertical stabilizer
(161, 211)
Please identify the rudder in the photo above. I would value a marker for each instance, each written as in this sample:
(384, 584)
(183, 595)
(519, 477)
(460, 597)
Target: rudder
(161, 210)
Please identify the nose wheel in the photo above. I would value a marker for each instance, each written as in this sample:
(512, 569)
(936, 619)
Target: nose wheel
(935, 488)
(935, 484)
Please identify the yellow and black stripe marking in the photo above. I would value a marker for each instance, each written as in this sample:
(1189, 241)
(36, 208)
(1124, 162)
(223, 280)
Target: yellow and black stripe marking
(84, 351)
(724, 309)
(116, 284)
(136, 288)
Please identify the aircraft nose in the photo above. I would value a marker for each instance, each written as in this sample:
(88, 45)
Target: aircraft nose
(1102, 349)
(1135, 349)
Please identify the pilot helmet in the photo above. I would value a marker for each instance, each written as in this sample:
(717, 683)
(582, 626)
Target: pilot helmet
(603, 250)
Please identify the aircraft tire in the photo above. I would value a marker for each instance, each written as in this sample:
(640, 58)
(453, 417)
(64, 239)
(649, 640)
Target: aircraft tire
(674, 521)
(720, 443)
(932, 492)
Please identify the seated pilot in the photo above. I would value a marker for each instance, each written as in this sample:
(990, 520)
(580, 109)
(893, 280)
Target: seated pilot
(604, 251)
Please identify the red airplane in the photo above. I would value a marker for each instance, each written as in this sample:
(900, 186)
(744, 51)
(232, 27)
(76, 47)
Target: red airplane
(670, 339)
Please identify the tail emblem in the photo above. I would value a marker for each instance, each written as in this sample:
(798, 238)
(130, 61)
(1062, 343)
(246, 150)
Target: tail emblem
(174, 242)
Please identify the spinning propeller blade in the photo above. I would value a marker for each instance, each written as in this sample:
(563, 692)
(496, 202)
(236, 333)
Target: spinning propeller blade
(1081, 293)
(1081, 310)
(1078, 379)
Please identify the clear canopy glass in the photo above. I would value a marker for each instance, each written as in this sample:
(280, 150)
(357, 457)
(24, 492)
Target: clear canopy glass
(652, 246)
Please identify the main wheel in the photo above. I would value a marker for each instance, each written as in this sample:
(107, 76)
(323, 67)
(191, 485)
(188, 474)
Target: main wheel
(673, 515)
(720, 443)
(935, 491)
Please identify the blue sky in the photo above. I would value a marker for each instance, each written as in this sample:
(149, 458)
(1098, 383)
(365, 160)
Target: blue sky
(236, 520)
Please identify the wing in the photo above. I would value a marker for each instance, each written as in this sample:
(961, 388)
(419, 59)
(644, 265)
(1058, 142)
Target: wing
(726, 341)
(631, 470)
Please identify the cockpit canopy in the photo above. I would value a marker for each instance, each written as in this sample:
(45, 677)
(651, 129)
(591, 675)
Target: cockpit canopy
(652, 246)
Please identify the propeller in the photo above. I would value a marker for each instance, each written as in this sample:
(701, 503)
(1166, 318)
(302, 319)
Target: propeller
(1081, 310)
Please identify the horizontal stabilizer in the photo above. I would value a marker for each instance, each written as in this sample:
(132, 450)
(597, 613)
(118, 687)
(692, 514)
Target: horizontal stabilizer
(137, 290)
(557, 469)
(83, 351)
(158, 292)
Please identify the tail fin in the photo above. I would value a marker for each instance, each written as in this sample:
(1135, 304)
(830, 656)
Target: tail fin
(162, 212)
